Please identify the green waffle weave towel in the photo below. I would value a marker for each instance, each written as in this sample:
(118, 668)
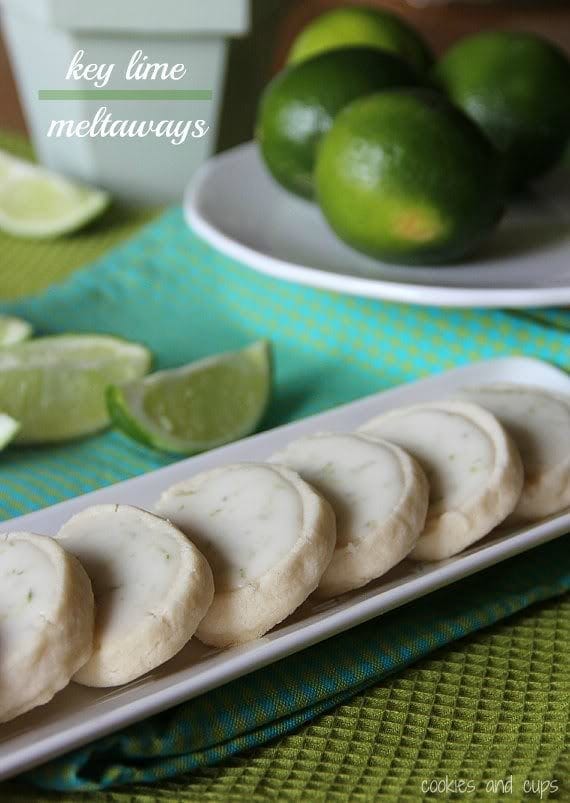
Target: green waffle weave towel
(171, 291)
(273, 701)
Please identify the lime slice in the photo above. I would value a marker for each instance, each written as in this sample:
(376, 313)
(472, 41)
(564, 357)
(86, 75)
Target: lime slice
(13, 330)
(55, 386)
(36, 203)
(198, 406)
(8, 430)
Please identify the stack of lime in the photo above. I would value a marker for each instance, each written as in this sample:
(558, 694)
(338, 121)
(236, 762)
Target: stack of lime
(409, 163)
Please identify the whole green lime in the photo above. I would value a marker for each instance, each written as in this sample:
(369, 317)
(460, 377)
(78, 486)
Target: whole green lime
(300, 104)
(345, 27)
(406, 177)
(516, 86)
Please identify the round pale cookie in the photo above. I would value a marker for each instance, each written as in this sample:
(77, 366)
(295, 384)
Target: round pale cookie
(473, 467)
(379, 495)
(268, 537)
(152, 587)
(539, 423)
(46, 621)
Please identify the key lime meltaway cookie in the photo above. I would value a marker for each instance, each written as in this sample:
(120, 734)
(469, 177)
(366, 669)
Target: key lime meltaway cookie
(473, 467)
(539, 423)
(46, 621)
(268, 537)
(379, 495)
(152, 587)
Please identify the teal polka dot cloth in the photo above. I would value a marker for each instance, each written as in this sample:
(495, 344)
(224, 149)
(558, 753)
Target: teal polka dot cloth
(172, 292)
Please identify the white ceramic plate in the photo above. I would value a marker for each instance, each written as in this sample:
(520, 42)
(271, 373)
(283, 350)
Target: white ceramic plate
(78, 715)
(234, 205)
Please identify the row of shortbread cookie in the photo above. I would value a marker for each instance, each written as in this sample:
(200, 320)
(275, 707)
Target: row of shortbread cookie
(265, 562)
(328, 514)
(353, 507)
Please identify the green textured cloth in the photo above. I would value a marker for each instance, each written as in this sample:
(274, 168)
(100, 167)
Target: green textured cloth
(173, 292)
(279, 698)
(488, 706)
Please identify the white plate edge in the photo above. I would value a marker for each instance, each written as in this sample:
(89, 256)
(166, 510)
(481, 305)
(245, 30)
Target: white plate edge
(416, 294)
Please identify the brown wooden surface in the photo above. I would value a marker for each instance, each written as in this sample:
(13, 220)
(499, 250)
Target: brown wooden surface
(10, 112)
(442, 24)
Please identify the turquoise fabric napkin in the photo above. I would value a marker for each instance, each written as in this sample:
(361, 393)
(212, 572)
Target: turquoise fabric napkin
(184, 300)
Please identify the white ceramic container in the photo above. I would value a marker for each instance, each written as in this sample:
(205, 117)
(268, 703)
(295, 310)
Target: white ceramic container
(44, 35)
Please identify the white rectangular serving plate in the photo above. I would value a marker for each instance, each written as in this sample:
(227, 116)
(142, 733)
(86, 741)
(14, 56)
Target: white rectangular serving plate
(78, 715)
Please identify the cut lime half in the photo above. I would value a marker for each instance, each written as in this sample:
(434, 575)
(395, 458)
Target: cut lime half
(198, 406)
(55, 386)
(9, 428)
(36, 203)
(13, 330)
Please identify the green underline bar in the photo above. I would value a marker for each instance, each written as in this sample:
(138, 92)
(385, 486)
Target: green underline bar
(125, 94)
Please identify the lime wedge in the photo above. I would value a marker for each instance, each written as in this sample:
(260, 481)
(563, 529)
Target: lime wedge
(13, 330)
(198, 406)
(8, 430)
(55, 386)
(36, 203)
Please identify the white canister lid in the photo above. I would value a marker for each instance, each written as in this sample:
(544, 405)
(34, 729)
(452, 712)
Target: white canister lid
(158, 16)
